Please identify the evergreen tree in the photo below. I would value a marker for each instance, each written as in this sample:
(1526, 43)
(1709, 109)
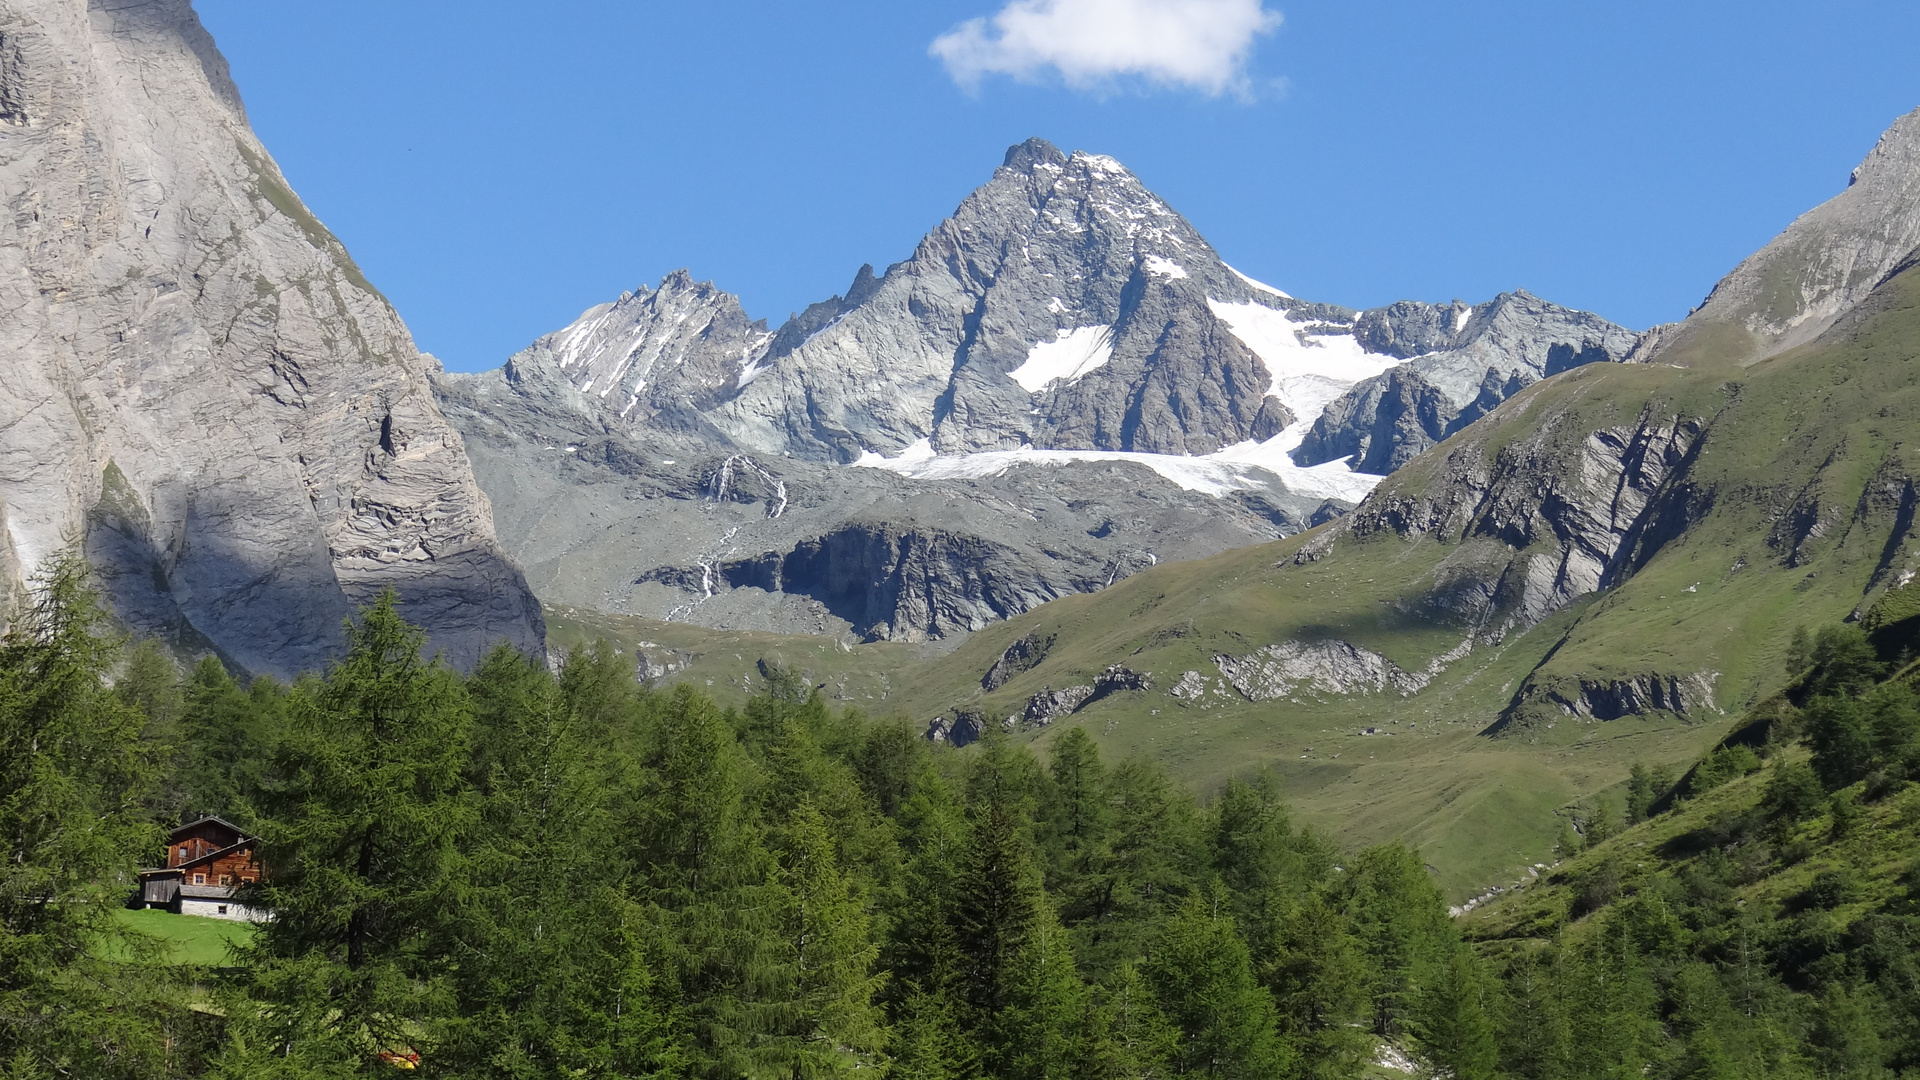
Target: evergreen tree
(927, 1045)
(1610, 1003)
(1204, 979)
(1312, 965)
(1255, 848)
(1040, 1034)
(1535, 1033)
(706, 878)
(890, 760)
(1452, 1023)
(75, 775)
(799, 771)
(1400, 919)
(554, 977)
(1074, 815)
(996, 902)
(1127, 1037)
(226, 734)
(823, 1022)
(1640, 793)
(1846, 1038)
(1155, 855)
(360, 823)
(1702, 1016)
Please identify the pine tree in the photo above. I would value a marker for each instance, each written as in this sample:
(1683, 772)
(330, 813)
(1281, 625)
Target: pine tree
(798, 771)
(1400, 919)
(995, 904)
(1255, 848)
(1312, 965)
(75, 775)
(1640, 793)
(1040, 1035)
(1204, 979)
(554, 977)
(1847, 1039)
(226, 734)
(1534, 1032)
(1074, 815)
(1154, 857)
(1701, 1015)
(1452, 1023)
(1610, 1002)
(705, 877)
(827, 1025)
(360, 825)
(1127, 1036)
(927, 1045)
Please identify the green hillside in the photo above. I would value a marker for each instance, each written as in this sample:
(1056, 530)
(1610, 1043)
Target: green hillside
(1760, 922)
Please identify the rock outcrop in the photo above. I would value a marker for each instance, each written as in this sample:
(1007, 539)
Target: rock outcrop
(199, 383)
(1541, 702)
(1021, 656)
(1552, 517)
(1319, 667)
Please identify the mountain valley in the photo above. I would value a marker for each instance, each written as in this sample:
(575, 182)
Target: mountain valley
(1445, 568)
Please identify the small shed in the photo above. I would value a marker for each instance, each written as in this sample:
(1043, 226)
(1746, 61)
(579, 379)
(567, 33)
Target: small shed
(207, 862)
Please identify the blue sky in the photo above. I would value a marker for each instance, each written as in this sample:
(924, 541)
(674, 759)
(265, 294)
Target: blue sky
(496, 168)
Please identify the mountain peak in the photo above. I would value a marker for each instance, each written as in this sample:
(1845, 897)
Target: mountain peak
(1789, 292)
(1022, 157)
(1896, 155)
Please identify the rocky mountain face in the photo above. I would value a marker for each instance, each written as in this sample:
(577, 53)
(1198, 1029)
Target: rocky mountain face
(1461, 362)
(1063, 385)
(201, 387)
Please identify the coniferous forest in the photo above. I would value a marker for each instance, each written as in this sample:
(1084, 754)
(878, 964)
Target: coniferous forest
(524, 873)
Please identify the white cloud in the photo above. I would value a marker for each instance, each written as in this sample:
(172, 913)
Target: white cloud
(1200, 44)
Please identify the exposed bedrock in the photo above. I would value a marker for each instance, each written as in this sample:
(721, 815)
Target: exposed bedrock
(1554, 516)
(200, 385)
(1541, 703)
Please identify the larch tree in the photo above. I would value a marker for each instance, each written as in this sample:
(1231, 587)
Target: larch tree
(361, 820)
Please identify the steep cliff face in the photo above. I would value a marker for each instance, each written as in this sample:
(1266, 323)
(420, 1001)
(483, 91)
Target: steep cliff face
(1553, 516)
(1065, 375)
(200, 383)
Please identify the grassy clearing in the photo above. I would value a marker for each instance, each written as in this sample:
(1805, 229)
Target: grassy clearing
(188, 939)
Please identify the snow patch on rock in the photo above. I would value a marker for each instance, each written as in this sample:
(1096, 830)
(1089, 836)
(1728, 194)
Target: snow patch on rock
(1071, 355)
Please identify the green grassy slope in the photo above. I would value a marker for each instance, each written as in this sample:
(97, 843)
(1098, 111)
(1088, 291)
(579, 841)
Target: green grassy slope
(186, 939)
(1877, 853)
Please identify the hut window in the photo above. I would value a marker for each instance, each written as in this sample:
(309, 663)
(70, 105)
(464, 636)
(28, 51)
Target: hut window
(223, 909)
(199, 879)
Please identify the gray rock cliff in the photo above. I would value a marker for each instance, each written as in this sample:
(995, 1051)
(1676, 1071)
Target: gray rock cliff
(200, 385)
